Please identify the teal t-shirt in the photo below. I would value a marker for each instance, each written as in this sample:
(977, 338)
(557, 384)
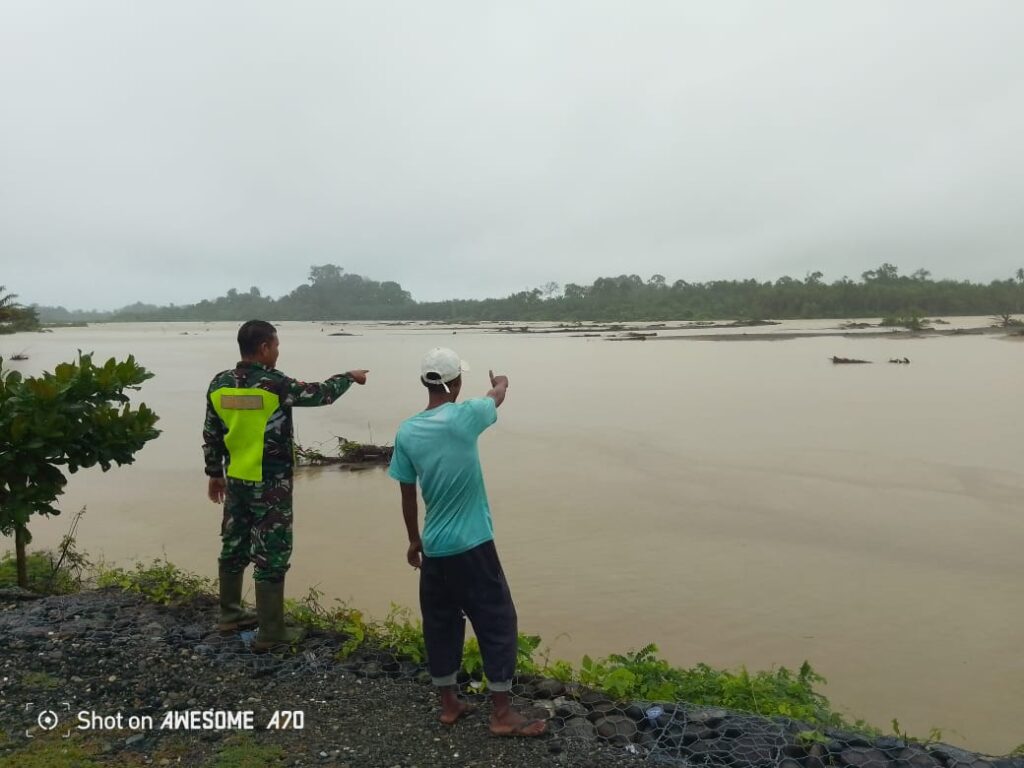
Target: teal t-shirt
(438, 448)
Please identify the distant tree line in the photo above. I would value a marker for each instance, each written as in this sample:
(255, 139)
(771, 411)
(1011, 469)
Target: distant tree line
(332, 294)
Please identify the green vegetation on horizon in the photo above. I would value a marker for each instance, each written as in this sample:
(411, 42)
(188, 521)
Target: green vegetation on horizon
(332, 294)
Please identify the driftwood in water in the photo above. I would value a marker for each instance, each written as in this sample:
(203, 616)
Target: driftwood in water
(19, 356)
(847, 360)
(900, 360)
(350, 455)
(632, 336)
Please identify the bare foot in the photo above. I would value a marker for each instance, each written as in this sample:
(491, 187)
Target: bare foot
(511, 723)
(452, 713)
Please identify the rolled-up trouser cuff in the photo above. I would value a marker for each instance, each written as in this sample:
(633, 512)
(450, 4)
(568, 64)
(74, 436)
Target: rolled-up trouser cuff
(503, 687)
(442, 682)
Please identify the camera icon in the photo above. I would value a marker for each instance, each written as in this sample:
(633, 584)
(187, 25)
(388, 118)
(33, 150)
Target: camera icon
(48, 720)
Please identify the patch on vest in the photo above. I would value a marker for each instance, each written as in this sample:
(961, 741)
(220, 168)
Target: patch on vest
(241, 402)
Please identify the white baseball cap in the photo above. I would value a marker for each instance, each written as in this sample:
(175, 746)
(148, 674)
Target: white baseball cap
(441, 365)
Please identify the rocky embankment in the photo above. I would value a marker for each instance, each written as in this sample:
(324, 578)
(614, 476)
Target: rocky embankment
(119, 664)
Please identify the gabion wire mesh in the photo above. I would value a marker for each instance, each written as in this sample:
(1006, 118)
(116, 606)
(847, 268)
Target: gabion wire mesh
(177, 640)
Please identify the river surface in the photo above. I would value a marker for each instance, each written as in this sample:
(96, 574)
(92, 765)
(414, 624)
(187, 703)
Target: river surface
(737, 503)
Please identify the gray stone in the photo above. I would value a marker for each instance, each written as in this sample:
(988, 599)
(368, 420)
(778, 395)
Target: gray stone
(30, 633)
(567, 708)
(863, 757)
(637, 710)
(915, 757)
(603, 709)
(590, 698)
(579, 728)
(549, 689)
(951, 755)
(618, 729)
(710, 717)
(761, 749)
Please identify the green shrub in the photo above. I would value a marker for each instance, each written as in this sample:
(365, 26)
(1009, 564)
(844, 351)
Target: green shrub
(44, 577)
(161, 581)
(309, 612)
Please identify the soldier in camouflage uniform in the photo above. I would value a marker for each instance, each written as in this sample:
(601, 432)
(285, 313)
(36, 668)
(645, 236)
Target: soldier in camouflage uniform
(248, 436)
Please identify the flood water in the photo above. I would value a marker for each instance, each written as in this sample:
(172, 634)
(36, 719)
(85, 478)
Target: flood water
(737, 503)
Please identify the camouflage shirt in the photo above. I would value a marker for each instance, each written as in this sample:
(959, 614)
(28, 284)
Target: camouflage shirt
(237, 390)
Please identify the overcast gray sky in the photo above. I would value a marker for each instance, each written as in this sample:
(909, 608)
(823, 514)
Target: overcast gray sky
(168, 151)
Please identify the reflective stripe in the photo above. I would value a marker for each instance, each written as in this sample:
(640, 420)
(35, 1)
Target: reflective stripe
(245, 412)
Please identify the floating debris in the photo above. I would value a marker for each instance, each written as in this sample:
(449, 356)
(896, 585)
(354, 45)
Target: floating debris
(632, 336)
(900, 360)
(847, 360)
(350, 455)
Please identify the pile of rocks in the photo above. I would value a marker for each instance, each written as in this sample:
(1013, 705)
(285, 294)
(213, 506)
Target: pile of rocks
(107, 652)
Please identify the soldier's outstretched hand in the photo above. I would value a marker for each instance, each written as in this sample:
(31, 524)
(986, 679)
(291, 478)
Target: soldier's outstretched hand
(358, 376)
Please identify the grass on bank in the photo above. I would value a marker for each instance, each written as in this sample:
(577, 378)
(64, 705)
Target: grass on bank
(52, 751)
(637, 675)
(45, 575)
(49, 753)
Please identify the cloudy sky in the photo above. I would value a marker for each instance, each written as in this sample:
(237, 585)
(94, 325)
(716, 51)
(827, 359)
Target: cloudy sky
(168, 151)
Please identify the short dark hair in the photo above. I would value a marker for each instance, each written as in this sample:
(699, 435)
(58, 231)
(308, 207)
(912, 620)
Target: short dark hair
(252, 334)
(438, 386)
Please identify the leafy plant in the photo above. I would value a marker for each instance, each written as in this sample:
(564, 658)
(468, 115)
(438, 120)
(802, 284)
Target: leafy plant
(400, 633)
(310, 612)
(934, 735)
(472, 659)
(161, 581)
(526, 647)
(642, 675)
(78, 416)
(807, 738)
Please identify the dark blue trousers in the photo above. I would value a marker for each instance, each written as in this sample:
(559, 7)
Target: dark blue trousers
(468, 585)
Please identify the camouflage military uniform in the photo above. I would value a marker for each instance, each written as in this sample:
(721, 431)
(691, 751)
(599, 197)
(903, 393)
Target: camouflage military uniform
(249, 432)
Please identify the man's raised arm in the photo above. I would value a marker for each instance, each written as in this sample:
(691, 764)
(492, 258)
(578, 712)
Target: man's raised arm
(499, 385)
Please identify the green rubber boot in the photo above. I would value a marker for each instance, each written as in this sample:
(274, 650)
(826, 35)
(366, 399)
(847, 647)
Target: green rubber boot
(273, 634)
(232, 616)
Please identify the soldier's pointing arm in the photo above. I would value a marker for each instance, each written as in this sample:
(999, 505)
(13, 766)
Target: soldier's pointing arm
(307, 394)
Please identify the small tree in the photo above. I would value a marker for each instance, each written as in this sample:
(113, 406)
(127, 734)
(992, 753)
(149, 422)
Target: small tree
(13, 316)
(78, 416)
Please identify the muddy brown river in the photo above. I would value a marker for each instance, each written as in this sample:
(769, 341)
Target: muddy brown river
(743, 503)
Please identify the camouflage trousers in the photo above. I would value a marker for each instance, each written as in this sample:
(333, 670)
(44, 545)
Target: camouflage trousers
(257, 527)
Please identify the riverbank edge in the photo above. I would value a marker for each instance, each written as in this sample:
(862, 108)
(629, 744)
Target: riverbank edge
(97, 632)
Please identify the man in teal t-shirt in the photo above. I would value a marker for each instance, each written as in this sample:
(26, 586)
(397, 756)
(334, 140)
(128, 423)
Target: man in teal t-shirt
(460, 574)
